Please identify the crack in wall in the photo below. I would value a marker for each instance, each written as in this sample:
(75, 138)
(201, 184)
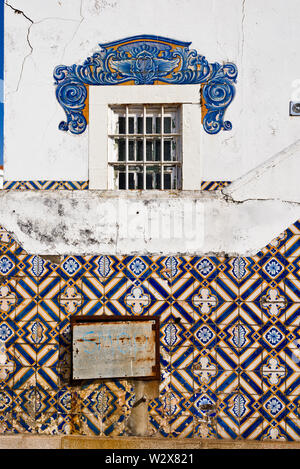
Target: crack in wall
(20, 12)
(230, 199)
(76, 30)
(243, 31)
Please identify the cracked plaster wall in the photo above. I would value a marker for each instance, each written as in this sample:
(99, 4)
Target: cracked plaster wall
(46, 34)
(257, 207)
(83, 223)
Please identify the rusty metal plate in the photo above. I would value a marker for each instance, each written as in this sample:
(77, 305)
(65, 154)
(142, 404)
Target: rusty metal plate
(115, 347)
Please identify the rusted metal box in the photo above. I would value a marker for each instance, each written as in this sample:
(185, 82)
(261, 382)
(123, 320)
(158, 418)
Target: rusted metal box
(115, 347)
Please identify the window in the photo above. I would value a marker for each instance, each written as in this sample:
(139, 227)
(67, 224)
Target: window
(145, 137)
(144, 154)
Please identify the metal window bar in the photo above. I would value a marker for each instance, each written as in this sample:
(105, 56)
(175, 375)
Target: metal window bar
(162, 128)
(144, 147)
(160, 167)
(126, 148)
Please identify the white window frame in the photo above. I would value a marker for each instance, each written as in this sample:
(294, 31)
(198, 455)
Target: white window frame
(102, 97)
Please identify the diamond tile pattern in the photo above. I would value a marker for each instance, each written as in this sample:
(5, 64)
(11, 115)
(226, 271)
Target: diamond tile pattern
(229, 342)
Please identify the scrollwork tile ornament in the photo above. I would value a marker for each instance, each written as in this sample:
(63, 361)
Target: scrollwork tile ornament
(146, 60)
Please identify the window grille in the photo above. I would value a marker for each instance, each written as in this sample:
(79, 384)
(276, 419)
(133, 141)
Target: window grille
(144, 154)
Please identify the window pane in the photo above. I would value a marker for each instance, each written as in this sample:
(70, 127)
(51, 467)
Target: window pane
(167, 181)
(158, 125)
(131, 150)
(131, 125)
(170, 177)
(120, 177)
(135, 177)
(157, 148)
(157, 181)
(122, 128)
(153, 177)
(140, 125)
(140, 181)
(167, 125)
(121, 149)
(174, 154)
(149, 150)
(140, 150)
(149, 125)
(167, 150)
(149, 179)
(141, 147)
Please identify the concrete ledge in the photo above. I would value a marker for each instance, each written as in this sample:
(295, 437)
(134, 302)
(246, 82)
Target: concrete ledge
(83, 223)
(30, 442)
(71, 442)
(85, 442)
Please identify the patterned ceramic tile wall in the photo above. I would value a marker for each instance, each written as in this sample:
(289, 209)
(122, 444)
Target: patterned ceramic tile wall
(80, 185)
(213, 185)
(229, 330)
(45, 185)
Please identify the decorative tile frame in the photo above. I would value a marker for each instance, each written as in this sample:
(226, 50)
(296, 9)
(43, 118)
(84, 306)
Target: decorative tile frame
(140, 60)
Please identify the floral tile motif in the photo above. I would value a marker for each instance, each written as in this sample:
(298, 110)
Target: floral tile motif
(7, 263)
(274, 431)
(204, 268)
(175, 335)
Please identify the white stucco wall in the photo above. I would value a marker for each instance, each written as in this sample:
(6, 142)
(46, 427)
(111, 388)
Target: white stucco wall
(261, 38)
(261, 153)
(89, 223)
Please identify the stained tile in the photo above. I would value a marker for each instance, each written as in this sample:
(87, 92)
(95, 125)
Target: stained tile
(159, 424)
(250, 314)
(93, 288)
(292, 246)
(227, 358)
(24, 377)
(251, 428)
(226, 428)
(23, 423)
(181, 381)
(182, 426)
(292, 289)
(183, 311)
(47, 377)
(274, 431)
(205, 428)
(292, 429)
(6, 423)
(94, 308)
